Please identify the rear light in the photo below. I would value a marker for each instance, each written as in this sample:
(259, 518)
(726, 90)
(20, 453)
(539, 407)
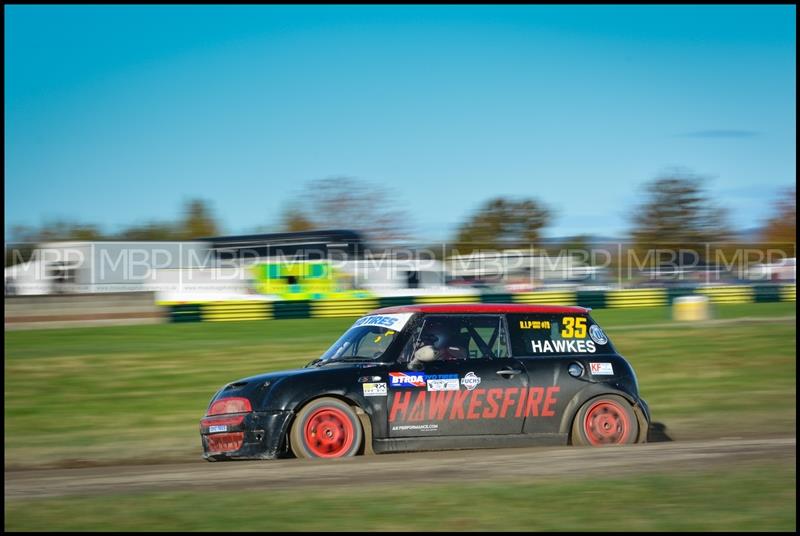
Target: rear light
(230, 405)
(222, 421)
(225, 442)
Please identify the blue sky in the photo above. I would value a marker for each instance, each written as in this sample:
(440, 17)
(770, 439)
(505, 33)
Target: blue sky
(116, 115)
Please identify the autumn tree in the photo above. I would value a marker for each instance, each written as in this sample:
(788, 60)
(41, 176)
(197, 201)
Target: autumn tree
(151, 231)
(294, 220)
(503, 223)
(198, 221)
(782, 226)
(348, 203)
(677, 212)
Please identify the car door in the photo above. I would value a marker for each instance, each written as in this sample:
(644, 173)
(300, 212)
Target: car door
(472, 387)
(546, 345)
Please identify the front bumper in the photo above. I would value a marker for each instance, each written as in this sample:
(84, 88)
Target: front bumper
(257, 435)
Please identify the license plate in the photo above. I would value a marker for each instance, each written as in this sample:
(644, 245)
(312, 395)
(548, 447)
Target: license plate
(220, 428)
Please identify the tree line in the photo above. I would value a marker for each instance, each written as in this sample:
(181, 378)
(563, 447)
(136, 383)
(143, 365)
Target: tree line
(676, 210)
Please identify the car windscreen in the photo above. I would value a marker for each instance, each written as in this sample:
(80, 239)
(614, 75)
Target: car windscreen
(368, 338)
(556, 334)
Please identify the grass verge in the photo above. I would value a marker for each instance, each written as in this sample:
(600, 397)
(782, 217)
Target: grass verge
(738, 498)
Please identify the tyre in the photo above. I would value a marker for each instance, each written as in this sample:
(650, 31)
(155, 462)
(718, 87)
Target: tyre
(326, 428)
(605, 420)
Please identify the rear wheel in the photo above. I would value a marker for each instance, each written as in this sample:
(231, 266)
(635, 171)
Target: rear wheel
(326, 428)
(605, 420)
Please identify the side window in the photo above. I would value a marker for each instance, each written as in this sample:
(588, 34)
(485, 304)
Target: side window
(549, 334)
(489, 333)
(464, 337)
(374, 342)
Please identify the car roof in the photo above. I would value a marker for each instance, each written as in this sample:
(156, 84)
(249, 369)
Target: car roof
(457, 308)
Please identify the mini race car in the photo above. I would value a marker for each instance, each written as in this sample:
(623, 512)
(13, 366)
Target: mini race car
(434, 377)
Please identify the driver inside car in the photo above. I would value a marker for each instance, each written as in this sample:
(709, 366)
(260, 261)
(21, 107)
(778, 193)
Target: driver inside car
(445, 339)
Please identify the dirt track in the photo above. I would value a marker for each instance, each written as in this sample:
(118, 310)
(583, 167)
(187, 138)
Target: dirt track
(431, 467)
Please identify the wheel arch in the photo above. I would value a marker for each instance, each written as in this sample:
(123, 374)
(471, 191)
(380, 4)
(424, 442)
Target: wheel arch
(363, 417)
(596, 391)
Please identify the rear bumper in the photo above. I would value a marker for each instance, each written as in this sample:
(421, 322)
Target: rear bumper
(257, 435)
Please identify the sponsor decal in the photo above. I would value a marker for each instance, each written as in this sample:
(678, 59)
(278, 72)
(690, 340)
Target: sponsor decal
(470, 381)
(601, 369)
(218, 428)
(422, 427)
(597, 334)
(563, 347)
(534, 324)
(375, 389)
(394, 322)
(407, 379)
(443, 382)
(495, 403)
(574, 327)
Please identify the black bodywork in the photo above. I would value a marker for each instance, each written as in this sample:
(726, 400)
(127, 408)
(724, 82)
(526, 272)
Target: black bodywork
(552, 397)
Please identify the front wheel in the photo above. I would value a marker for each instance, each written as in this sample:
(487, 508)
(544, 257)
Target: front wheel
(605, 420)
(326, 428)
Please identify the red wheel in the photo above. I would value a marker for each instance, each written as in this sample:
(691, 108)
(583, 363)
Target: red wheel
(326, 428)
(606, 420)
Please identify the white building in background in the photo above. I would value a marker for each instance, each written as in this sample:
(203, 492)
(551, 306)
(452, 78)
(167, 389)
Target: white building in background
(183, 271)
(214, 269)
(89, 267)
(520, 270)
(222, 268)
(782, 271)
(398, 276)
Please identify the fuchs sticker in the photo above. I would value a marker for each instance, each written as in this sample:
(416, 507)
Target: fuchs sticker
(597, 334)
(601, 369)
(407, 379)
(470, 381)
(374, 389)
(218, 428)
(443, 382)
(394, 322)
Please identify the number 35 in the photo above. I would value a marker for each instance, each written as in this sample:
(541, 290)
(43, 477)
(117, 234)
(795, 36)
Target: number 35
(574, 327)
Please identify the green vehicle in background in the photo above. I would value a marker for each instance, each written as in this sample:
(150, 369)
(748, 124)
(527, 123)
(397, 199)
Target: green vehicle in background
(306, 280)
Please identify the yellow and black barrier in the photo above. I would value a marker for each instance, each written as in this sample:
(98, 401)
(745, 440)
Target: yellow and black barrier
(731, 294)
(637, 297)
(337, 308)
(232, 310)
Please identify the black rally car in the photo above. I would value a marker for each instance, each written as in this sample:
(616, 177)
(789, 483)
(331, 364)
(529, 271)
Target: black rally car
(437, 377)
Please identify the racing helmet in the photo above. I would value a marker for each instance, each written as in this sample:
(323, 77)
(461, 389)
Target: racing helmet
(438, 333)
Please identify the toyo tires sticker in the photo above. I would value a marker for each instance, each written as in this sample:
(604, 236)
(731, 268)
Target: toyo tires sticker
(393, 321)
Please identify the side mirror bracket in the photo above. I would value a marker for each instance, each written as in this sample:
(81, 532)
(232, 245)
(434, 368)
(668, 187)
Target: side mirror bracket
(415, 365)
